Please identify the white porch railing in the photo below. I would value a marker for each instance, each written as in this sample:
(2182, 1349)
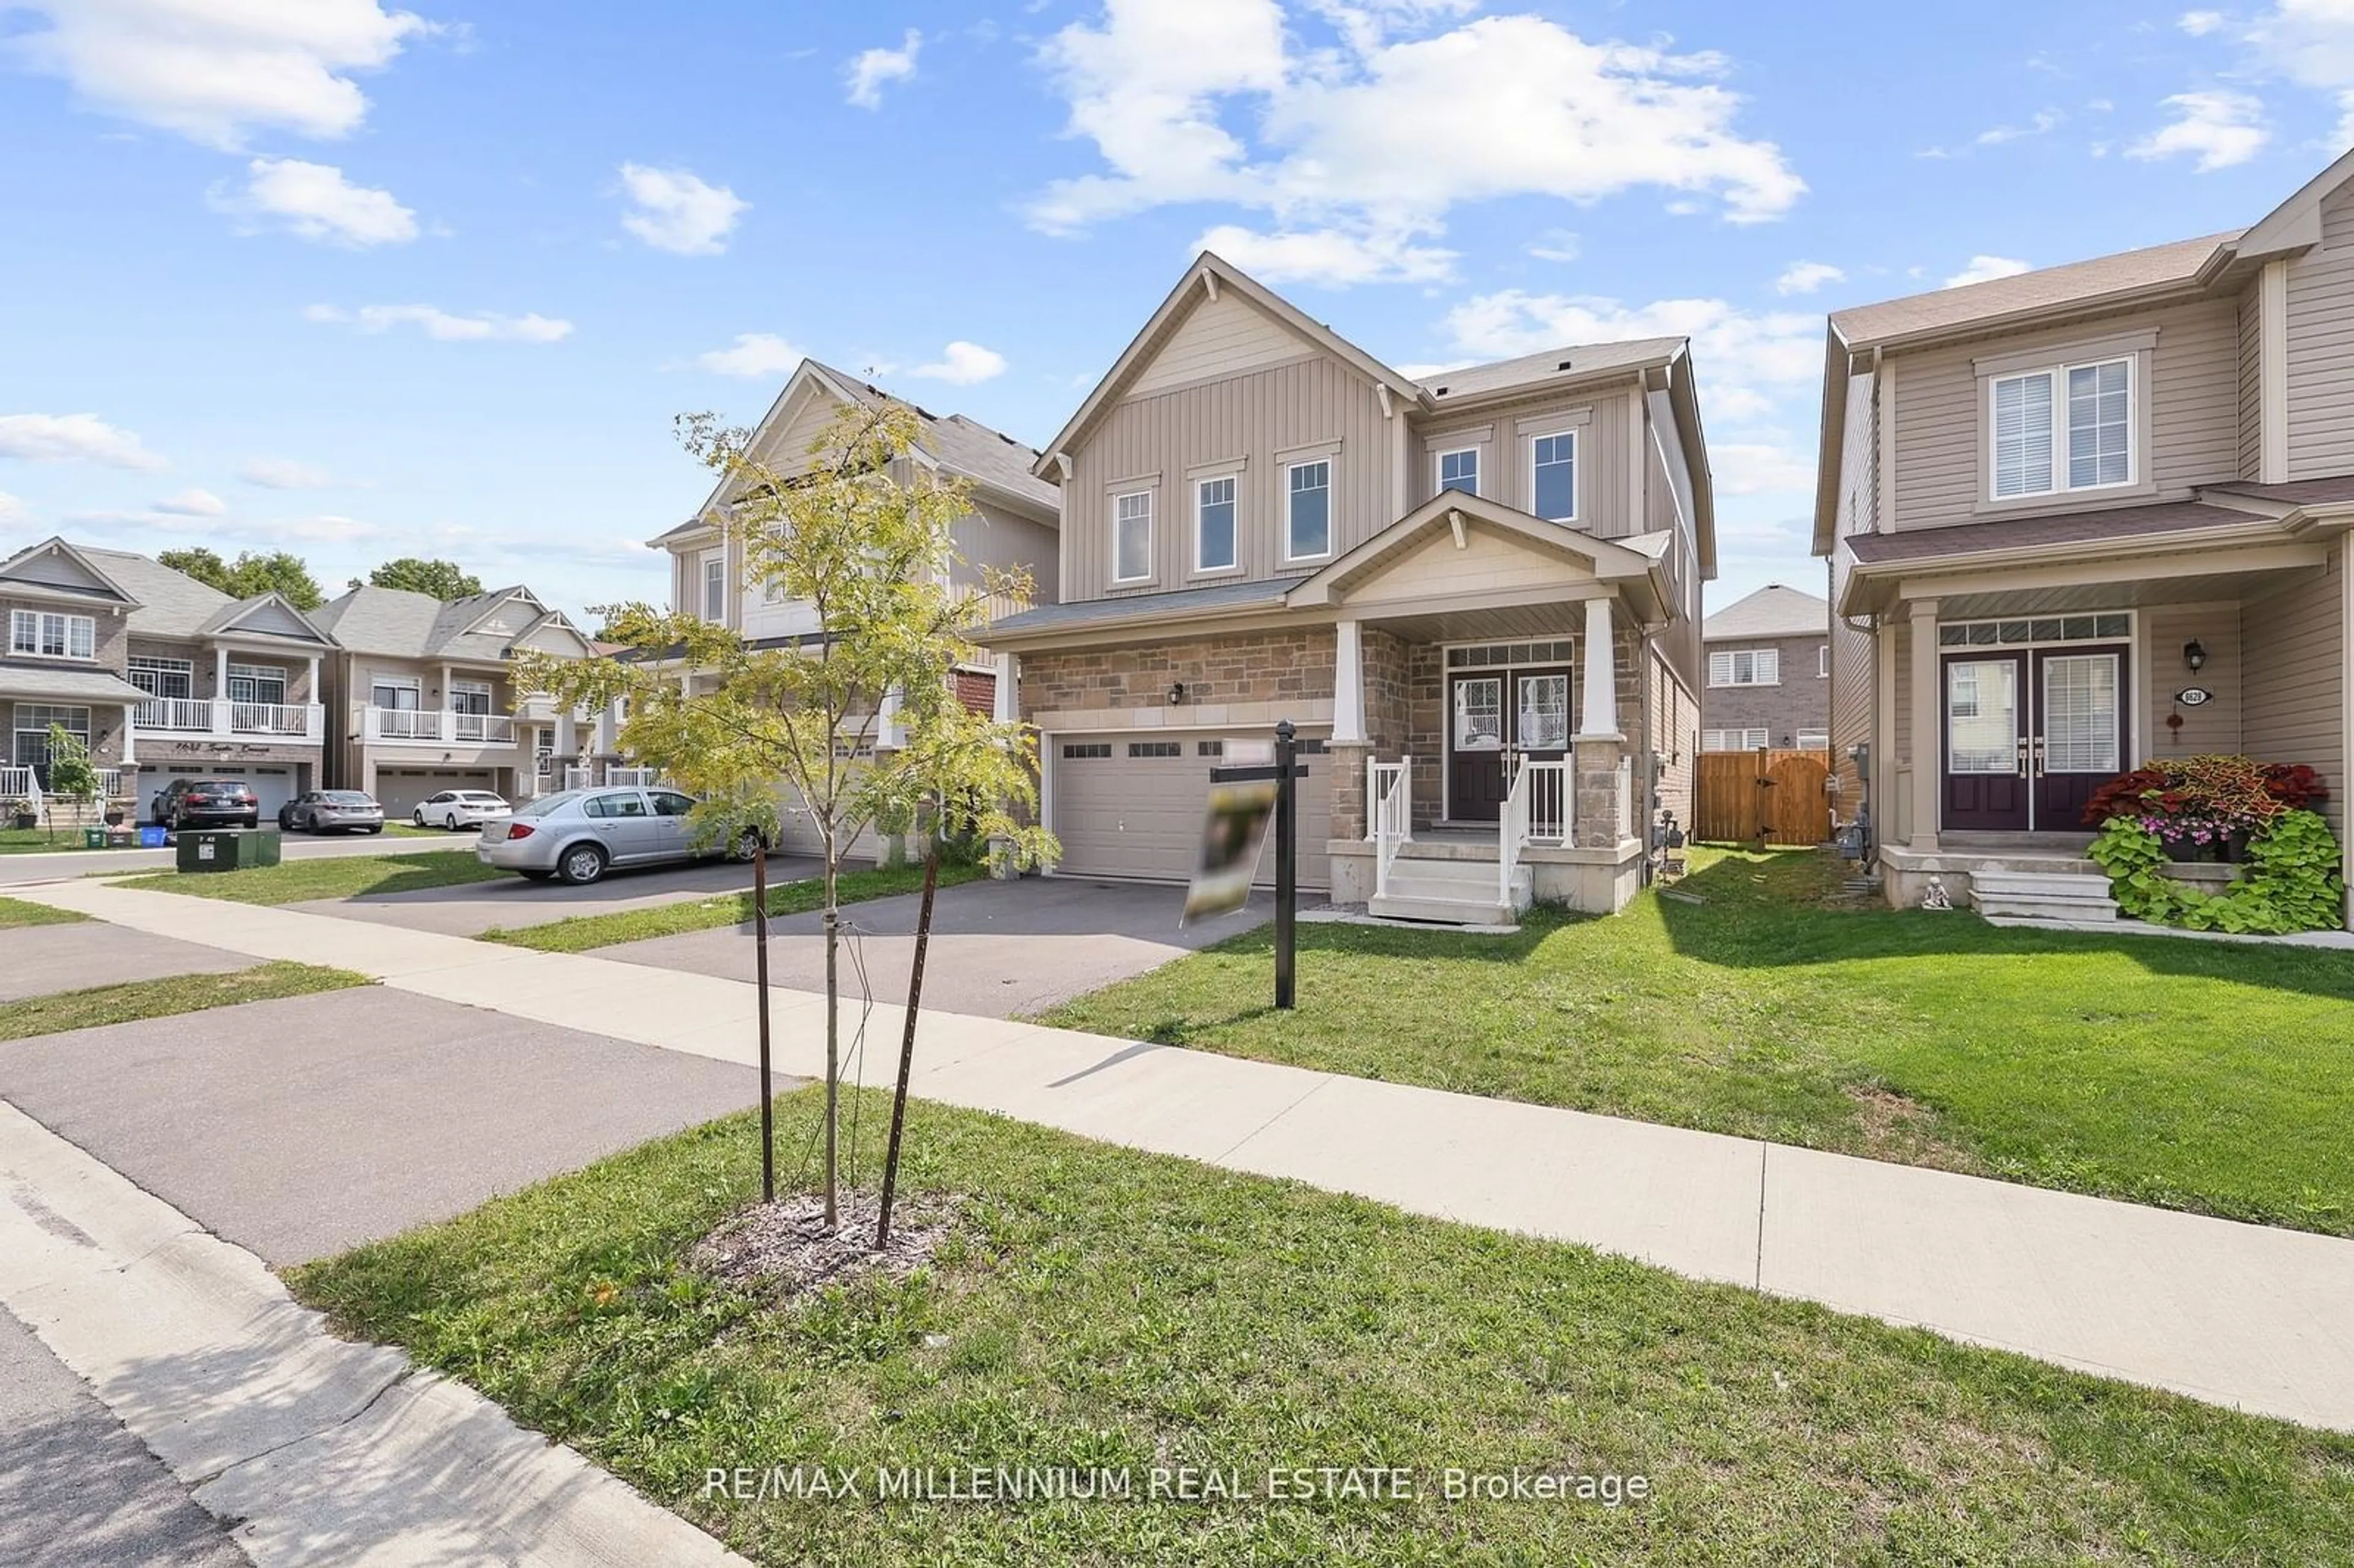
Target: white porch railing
(436, 724)
(17, 784)
(1548, 800)
(1389, 811)
(218, 715)
(642, 776)
(578, 778)
(1511, 831)
(110, 783)
(1536, 807)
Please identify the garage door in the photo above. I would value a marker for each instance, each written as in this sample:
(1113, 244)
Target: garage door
(401, 789)
(1130, 805)
(272, 787)
(800, 835)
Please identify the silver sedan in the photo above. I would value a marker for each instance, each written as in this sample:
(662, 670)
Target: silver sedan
(580, 834)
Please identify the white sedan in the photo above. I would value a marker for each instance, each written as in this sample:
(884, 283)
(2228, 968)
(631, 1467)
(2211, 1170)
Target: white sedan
(455, 808)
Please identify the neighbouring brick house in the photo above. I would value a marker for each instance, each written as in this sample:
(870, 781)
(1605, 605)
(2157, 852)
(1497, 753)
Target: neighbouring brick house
(1769, 668)
(1476, 594)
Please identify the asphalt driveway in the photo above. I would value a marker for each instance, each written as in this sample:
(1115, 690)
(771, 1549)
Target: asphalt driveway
(470, 909)
(44, 959)
(998, 949)
(302, 1126)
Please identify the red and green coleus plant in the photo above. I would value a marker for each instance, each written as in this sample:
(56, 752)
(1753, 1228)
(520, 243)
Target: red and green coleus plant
(2205, 800)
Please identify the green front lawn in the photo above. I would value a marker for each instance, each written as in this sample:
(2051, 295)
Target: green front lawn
(136, 999)
(582, 932)
(1110, 1308)
(336, 876)
(16, 912)
(37, 841)
(2206, 1075)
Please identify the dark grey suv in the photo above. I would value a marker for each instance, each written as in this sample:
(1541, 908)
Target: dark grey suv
(206, 803)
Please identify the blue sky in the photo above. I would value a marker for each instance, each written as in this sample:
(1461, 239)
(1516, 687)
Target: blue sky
(363, 282)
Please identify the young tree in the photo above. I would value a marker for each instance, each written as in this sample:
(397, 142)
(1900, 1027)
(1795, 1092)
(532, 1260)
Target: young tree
(861, 534)
(443, 580)
(71, 772)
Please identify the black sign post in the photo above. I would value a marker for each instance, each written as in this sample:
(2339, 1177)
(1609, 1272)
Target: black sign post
(1286, 858)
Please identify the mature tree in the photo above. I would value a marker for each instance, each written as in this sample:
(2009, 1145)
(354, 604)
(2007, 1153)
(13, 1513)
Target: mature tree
(250, 574)
(863, 536)
(442, 580)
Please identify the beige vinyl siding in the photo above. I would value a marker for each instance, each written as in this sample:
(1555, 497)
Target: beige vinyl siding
(2321, 348)
(2252, 412)
(1895, 806)
(790, 439)
(2294, 648)
(1150, 442)
(1225, 336)
(2213, 727)
(2194, 410)
(1853, 651)
(1609, 501)
(994, 537)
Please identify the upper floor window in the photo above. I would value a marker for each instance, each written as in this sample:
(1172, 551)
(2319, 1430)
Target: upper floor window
(1823, 661)
(47, 635)
(1132, 536)
(1744, 667)
(715, 586)
(1459, 471)
(1553, 486)
(2066, 428)
(1308, 510)
(1213, 525)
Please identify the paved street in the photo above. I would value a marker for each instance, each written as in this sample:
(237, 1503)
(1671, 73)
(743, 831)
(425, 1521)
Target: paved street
(999, 949)
(470, 909)
(17, 869)
(44, 959)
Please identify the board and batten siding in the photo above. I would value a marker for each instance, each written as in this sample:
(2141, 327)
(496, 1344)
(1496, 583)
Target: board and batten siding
(1609, 501)
(2294, 644)
(995, 538)
(1162, 441)
(2321, 348)
(2252, 407)
(1217, 338)
(2194, 410)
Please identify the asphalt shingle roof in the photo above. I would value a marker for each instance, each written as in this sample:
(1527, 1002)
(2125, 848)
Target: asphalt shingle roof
(1773, 610)
(2079, 281)
(395, 622)
(964, 446)
(1084, 612)
(1532, 370)
(2046, 528)
(47, 683)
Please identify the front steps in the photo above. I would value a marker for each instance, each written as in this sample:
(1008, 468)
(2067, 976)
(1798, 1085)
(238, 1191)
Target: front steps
(1450, 892)
(2043, 896)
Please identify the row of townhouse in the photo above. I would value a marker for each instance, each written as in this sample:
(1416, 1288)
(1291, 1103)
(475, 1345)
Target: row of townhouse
(394, 692)
(1475, 595)
(2085, 516)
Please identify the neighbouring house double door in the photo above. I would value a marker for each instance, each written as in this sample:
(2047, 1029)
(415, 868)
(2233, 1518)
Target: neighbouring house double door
(1498, 718)
(2030, 733)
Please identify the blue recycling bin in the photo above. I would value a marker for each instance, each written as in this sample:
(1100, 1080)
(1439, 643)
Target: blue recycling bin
(155, 837)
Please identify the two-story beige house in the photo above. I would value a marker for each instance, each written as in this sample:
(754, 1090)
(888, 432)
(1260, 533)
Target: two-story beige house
(422, 698)
(1475, 595)
(2084, 516)
(1011, 525)
(158, 674)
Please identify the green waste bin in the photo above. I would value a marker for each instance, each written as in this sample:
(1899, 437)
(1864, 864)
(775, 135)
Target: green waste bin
(227, 849)
(94, 838)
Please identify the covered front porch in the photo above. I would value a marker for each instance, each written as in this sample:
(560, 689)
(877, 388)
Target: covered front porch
(1486, 715)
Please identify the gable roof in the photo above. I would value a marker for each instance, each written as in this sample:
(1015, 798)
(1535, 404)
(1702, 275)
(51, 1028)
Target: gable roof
(37, 566)
(1209, 272)
(1773, 610)
(174, 604)
(1529, 371)
(396, 622)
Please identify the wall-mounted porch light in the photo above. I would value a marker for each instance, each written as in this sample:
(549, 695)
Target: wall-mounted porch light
(2194, 655)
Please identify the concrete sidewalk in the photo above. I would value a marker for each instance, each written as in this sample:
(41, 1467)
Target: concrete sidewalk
(2239, 1315)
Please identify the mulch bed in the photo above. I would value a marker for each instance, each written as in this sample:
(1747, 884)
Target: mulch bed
(784, 1249)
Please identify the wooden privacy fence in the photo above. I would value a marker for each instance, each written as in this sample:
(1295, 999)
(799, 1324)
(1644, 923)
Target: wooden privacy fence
(1774, 795)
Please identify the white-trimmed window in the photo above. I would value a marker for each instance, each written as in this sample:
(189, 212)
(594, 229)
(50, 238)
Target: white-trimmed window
(398, 693)
(715, 586)
(2068, 426)
(162, 677)
(1732, 739)
(1823, 662)
(1132, 536)
(1744, 667)
(1214, 544)
(257, 684)
(1814, 740)
(45, 634)
(1552, 476)
(1459, 471)
(1308, 510)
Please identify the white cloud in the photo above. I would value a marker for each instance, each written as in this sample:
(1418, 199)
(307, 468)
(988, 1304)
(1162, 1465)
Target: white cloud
(1330, 256)
(1556, 245)
(193, 502)
(441, 325)
(863, 76)
(2219, 128)
(1759, 468)
(752, 353)
(14, 511)
(962, 363)
(285, 474)
(1806, 277)
(317, 201)
(72, 438)
(215, 72)
(1985, 269)
(324, 528)
(2199, 24)
(677, 211)
(1377, 137)
(2041, 121)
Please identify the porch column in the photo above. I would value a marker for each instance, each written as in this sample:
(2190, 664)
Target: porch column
(568, 739)
(312, 727)
(1601, 717)
(130, 736)
(1928, 742)
(219, 711)
(888, 736)
(1008, 690)
(1348, 686)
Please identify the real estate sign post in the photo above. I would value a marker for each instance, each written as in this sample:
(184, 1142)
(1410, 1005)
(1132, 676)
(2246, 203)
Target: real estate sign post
(1243, 799)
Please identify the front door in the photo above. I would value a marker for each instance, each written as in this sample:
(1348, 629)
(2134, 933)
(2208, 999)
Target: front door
(2030, 736)
(1499, 720)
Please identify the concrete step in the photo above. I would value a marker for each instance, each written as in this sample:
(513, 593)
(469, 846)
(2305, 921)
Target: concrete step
(1440, 874)
(2063, 884)
(2041, 895)
(1442, 911)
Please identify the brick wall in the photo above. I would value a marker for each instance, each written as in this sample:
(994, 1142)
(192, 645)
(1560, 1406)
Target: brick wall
(1801, 700)
(977, 691)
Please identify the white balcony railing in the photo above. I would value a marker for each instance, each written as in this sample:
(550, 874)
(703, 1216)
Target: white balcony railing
(436, 725)
(219, 716)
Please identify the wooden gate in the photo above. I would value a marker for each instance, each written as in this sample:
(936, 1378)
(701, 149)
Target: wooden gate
(1775, 795)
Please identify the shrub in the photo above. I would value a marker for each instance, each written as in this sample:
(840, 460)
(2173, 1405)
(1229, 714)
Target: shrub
(2291, 884)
